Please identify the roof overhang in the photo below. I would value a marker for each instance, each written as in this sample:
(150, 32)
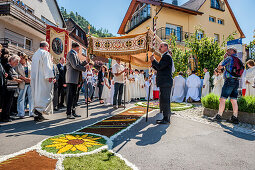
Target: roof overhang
(134, 3)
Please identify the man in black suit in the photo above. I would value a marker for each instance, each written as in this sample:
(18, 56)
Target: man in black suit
(61, 82)
(164, 81)
(74, 67)
(100, 83)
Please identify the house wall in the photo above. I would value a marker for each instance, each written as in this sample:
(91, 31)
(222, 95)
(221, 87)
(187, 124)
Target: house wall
(189, 22)
(35, 39)
(46, 8)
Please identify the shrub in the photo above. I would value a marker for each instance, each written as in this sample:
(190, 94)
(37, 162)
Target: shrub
(211, 101)
(245, 104)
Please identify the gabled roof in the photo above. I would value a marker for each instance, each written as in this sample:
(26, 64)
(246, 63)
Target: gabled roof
(194, 4)
(62, 18)
(134, 4)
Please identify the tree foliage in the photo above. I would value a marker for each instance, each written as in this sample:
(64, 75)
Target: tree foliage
(83, 23)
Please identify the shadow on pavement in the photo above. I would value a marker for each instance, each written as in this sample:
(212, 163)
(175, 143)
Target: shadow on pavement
(149, 136)
(233, 132)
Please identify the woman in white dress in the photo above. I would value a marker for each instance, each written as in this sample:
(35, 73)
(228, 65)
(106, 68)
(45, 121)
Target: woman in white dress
(106, 90)
(128, 90)
(218, 82)
(249, 78)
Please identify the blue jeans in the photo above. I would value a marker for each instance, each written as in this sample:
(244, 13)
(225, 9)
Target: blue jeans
(90, 89)
(118, 91)
(230, 89)
(21, 101)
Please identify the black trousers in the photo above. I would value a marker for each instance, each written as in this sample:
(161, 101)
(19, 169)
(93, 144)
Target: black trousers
(118, 91)
(55, 95)
(71, 97)
(7, 104)
(100, 91)
(165, 106)
(61, 94)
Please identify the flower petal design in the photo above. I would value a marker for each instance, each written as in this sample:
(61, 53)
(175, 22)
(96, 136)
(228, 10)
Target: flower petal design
(82, 148)
(70, 137)
(60, 140)
(56, 145)
(64, 149)
(73, 149)
(85, 136)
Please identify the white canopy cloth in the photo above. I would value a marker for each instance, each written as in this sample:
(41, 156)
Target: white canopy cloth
(42, 89)
(193, 83)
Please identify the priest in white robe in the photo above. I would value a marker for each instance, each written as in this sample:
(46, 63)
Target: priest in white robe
(193, 83)
(179, 88)
(42, 81)
(206, 83)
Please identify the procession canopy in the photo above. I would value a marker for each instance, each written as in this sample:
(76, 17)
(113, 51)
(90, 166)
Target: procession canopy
(133, 49)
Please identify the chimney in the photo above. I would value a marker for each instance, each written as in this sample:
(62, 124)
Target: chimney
(175, 2)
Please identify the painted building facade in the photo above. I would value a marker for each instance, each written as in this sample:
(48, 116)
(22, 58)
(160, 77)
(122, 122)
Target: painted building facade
(215, 17)
(23, 23)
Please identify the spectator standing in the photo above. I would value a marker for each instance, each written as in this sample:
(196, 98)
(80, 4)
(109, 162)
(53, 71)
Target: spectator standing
(100, 84)
(61, 82)
(250, 78)
(230, 87)
(55, 93)
(11, 86)
(24, 70)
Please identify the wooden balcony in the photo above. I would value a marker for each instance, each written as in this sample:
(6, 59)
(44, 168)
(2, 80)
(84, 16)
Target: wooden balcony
(19, 12)
(15, 47)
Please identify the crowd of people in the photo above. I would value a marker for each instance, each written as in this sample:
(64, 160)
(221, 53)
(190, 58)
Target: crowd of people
(37, 86)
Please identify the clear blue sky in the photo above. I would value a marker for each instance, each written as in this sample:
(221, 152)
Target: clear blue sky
(110, 13)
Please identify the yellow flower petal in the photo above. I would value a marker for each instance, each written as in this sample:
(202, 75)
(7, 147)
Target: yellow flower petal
(84, 136)
(73, 149)
(82, 147)
(64, 149)
(56, 145)
(70, 137)
(60, 140)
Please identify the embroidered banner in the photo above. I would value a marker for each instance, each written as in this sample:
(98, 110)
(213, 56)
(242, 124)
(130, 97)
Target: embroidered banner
(58, 41)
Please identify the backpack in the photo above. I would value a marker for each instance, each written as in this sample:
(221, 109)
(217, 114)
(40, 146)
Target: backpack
(238, 67)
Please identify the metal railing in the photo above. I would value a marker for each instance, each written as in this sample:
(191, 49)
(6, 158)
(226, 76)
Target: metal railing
(165, 33)
(22, 7)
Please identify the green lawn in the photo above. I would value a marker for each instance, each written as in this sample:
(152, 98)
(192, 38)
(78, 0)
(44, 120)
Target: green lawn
(103, 160)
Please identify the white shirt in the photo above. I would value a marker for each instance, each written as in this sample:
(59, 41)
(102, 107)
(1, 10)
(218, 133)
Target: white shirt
(88, 75)
(117, 68)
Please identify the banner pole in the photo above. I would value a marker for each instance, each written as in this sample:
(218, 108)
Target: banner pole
(87, 98)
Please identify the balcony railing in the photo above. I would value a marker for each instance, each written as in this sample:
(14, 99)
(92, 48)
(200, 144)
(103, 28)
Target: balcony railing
(140, 16)
(18, 10)
(219, 5)
(16, 46)
(166, 33)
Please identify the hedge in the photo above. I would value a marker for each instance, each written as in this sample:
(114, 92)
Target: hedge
(245, 104)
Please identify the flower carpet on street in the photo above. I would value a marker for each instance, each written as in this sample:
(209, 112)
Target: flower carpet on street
(174, 106)
(74, 150)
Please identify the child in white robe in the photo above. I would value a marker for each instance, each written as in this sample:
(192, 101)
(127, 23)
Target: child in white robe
(218, 82)
(106, 90)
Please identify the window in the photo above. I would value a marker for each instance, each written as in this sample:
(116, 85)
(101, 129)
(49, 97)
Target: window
(217, 38)
(46, 21)
(221, 21)
(175, 30)
(215, 4)
(29, 10)
(212, 19)
(28, 43)
(77, 32)
(200, 35)
(84, 51)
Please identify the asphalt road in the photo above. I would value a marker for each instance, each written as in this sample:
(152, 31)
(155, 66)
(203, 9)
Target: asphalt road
(184, 144)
